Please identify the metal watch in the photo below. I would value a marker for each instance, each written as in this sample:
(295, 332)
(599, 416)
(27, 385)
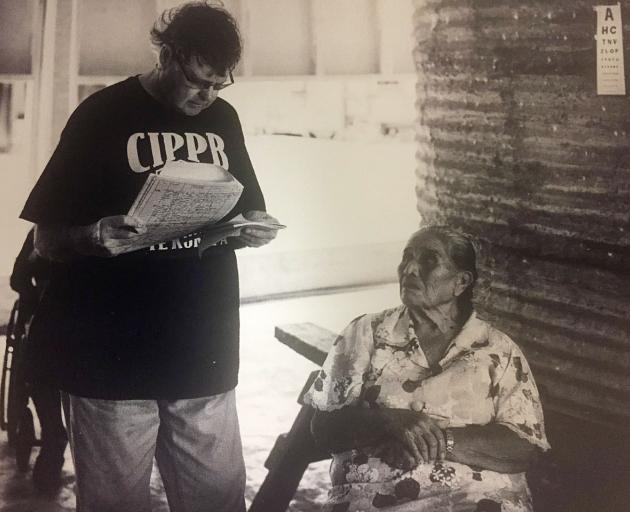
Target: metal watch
(450, 440)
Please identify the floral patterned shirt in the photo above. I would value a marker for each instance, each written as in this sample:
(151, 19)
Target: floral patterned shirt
(482, 378)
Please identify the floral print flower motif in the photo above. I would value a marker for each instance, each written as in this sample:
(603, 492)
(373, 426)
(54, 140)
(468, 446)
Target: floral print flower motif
(521, 375)
(371, 394)
(341, 386)
(481, 343)
(371, 375)
(319, 381)
(403, 349)
(377, 321)
(525, 428)
(413, 345)
(338, 340)
(494, 390)
(411, 385)
(361, 473)
(344, 364)
(443, 474)
(382, 334)
(400, 355)
(507, 506)
(383, 500)
(486, 505)
(407, 488)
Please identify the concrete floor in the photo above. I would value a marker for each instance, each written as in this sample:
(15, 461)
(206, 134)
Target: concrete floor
(16, 491)
(271, 378)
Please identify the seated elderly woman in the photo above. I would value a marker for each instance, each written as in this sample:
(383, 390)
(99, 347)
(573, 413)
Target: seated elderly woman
(426, 407)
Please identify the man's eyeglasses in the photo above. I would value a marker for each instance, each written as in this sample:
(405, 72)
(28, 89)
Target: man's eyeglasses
(203, 85)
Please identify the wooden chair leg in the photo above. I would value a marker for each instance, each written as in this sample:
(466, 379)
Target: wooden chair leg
(287, 462)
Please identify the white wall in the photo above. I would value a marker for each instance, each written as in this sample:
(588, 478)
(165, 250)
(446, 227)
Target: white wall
(349, 208)
(15, 42)
(114, 36)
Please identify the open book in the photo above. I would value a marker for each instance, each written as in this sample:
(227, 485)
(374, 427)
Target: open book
(182, 198)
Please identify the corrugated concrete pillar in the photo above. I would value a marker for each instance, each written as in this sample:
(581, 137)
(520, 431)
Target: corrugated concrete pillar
(516, 147)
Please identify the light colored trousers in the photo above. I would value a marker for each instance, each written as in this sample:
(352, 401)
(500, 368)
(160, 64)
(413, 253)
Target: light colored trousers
(196, 443)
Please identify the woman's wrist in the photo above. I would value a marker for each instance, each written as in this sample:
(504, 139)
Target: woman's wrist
(449, 439)
(456, 440)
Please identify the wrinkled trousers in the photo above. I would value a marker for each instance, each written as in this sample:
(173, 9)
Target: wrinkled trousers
(196, 443)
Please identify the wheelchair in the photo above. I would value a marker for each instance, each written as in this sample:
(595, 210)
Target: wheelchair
(16, 417)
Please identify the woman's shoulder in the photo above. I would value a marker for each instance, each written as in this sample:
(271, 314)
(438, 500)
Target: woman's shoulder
(394, 314)
(497, 340)
(378, 317)
(370, 325)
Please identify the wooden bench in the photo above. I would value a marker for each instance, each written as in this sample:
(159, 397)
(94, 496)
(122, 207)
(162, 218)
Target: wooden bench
(295, 450)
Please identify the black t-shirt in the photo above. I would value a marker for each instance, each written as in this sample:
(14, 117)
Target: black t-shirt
(159, 323)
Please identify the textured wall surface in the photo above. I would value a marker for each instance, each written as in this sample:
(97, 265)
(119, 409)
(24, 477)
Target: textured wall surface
(515, 146)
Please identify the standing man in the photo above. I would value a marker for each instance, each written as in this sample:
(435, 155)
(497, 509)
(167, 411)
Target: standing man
(143, 342)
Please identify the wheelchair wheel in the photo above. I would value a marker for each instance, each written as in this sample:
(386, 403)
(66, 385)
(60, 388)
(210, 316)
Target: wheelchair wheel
(24, 440)
(12, 389)
(6, 368)
(17, 418)
(17, 402)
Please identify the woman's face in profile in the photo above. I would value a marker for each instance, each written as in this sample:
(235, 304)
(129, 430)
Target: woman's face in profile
(426, 274)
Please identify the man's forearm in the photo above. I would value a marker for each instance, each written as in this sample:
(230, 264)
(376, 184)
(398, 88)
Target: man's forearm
(64, 243)
(494, 447)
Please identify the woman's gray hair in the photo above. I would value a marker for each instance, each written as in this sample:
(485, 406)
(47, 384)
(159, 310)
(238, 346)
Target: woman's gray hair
(462, 249)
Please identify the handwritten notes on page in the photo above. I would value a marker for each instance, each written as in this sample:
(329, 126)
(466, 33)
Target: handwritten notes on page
(184, 197)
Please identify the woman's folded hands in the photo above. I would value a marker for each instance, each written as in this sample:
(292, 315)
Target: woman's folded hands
(410, 438)
(402, 438)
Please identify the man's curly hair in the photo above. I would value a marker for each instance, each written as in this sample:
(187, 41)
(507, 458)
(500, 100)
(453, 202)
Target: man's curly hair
(201, 30)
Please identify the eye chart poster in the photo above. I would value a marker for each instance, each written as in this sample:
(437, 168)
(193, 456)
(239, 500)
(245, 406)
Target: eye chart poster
(609, 36)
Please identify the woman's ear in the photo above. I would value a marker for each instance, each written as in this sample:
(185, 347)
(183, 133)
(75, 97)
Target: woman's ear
(166, 56)
(463, 281)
